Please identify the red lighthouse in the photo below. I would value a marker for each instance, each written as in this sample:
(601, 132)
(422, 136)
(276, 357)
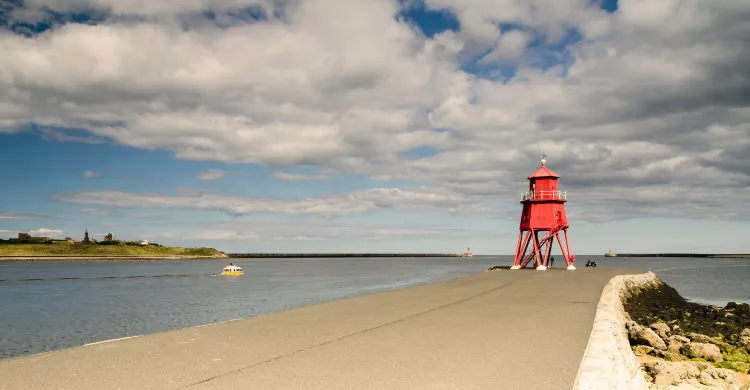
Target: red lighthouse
(543, 212)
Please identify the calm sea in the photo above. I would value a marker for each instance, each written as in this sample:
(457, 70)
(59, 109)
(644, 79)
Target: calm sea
(51, 305)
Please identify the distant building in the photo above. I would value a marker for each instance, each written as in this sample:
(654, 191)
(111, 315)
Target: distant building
(143, 242)
(26, 237)
(70, 240)
(86, 239)
(108, 237)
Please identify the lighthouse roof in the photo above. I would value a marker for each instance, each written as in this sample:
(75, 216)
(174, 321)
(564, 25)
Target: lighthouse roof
(543, 172)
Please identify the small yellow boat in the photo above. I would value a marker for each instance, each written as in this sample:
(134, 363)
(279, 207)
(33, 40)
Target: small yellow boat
(231, 270)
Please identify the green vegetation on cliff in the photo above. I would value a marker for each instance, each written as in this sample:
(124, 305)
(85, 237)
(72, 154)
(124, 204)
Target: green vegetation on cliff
(61, 248)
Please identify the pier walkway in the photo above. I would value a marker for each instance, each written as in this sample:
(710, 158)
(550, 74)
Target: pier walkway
(508, 330)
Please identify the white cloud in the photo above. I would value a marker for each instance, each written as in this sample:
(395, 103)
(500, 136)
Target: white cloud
(91, 174)
(651, 118)
(45, 232)
(263, 231)
(511, 46)
(95, 211)
(150, 8)
(211, 174)
(4, 215)
(297, 176)
(221, 235)
(56, 135)
(411, 199)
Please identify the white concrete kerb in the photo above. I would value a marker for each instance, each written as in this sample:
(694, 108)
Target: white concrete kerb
(608, 362)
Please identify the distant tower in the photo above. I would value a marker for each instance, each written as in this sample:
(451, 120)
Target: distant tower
(543, 211)
(86, 237)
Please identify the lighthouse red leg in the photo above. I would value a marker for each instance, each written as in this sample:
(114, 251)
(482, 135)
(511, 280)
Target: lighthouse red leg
(518, 263)
(562, 249)
(518, 248)
(548, 251)
(538, 260)
(567, 243)
(571, 257)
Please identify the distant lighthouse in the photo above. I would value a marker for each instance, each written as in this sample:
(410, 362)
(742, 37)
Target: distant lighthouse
(543, 212)
(468, 251)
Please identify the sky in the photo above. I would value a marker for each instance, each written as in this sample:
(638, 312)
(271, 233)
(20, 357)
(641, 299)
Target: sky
(375, 125)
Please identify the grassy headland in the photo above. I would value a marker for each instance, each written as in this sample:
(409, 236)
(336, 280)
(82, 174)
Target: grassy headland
(64, 249)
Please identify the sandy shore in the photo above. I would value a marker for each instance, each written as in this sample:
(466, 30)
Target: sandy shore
(507, 329)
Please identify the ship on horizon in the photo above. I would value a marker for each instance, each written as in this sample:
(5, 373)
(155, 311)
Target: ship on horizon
(610, 254)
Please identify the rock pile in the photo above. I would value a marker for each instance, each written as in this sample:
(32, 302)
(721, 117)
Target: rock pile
(685, 345)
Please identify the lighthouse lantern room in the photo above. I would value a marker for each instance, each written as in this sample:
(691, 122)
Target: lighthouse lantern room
(543, 220)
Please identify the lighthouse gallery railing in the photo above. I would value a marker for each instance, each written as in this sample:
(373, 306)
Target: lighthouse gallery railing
(544, 195)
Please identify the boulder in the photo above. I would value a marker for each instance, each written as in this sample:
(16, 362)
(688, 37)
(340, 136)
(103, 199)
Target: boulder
(640, 335)
(706, 351)
(673, 356)
(642, 350)
(720, 377)
(742, 308)
(664, 373)
(744, 340)
(701, 338)
(661, 329)
(676, 342)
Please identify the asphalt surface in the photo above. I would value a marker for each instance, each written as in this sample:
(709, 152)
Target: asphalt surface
(521, 329)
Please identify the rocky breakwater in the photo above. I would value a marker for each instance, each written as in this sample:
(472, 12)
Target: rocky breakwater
(685, 345)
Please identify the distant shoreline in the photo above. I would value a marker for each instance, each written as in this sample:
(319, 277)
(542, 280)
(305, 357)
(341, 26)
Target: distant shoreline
(693, 255)
(104, 258)
(68, 251)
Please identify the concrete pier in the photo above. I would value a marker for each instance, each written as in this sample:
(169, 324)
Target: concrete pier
(506, 329)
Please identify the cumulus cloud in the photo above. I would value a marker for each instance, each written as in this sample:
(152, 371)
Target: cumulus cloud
(95, 211)
(45, 232)
(411, 199)
(211, 174)
(217, 235)
(646, 114)
(149, 8)
(297, 176)
(7, 215)
(313, 231)
(56, 135)
(510, 46)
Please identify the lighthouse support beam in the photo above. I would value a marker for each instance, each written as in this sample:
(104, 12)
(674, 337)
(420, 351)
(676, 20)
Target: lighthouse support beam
(567, 243)
(518, 247)
(538, 259)
(562, 249)
(548, 251)
(520, 254)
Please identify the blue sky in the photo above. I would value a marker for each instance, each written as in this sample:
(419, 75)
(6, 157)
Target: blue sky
(395, 129)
